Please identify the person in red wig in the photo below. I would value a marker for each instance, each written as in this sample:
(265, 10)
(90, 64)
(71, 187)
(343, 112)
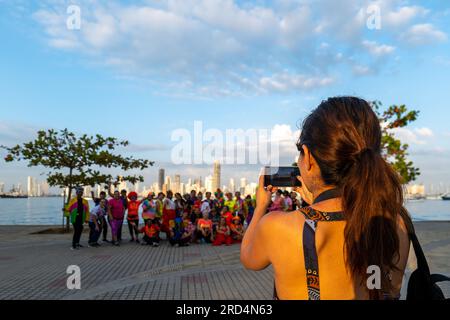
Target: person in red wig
(133, 216)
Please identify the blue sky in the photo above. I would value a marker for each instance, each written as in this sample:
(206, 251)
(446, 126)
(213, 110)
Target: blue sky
(139, 70)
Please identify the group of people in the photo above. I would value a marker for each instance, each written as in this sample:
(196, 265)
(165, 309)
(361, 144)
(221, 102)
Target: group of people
(187, 219)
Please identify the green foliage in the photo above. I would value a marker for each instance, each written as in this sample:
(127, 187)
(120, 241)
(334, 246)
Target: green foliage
(395, 151)
(76, 161)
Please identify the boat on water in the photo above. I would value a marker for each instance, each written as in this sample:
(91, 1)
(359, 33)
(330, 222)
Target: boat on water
(446, 197)
(415, 198)
(14, 194)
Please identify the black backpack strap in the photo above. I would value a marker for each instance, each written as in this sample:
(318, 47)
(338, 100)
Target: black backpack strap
(422, 284)
(435, 278)
(422, 263)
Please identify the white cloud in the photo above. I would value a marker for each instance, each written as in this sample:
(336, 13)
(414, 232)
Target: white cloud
(403, 15)
(424, 132)
(361, 70)
(226, 47)
(418, 136)
(422, 34)
(288, 82)
(376, 49)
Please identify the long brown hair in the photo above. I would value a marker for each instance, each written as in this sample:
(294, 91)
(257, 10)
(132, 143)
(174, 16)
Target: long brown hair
(344, 136)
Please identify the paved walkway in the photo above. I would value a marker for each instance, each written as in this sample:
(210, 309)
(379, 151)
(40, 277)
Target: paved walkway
(34, 267)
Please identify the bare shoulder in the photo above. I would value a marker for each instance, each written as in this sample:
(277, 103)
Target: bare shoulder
(278, 220)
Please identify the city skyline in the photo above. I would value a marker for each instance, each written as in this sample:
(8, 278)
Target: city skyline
(185, 184)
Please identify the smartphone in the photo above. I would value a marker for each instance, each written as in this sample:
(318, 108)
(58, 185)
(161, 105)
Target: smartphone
(281, 176)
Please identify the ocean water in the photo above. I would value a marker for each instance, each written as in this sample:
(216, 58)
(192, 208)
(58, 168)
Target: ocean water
(47, 211)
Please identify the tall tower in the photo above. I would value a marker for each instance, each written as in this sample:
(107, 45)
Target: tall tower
(216, 176)
(161, 178)
(177, 183)
(232, 186)
(243, 186)
(30, 187)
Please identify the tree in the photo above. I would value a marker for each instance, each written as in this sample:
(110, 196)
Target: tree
(76, 160)
(396, 152)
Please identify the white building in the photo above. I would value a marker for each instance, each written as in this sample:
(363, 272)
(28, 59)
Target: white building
(232, 186)
(416, 190)
(209, 181)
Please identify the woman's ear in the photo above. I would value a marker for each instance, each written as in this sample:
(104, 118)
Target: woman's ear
(307, 157)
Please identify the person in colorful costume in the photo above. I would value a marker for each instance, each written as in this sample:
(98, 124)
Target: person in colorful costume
(278, 202)
(176, 233)
(237, 230)
(230, 203)
(151, 233)
(96, 223)
(227, 215)
(133, 216)
(160, 205)
(78, 211)
(218, 200)
(251, 204)
(215, 218)
(169, 213)
(180, 205)
(104, 221)
(189, 229)
(241, 207)
(149, 208)
(116, 213)
(204, 229)
(223, 234)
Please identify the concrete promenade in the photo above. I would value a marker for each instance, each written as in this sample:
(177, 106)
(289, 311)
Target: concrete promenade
(33, 266)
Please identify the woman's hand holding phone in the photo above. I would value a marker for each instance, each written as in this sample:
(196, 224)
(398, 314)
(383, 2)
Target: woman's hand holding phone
(264, 194)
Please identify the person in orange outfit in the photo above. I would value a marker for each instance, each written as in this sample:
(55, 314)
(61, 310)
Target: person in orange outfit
(133, 216)
(151, 233)
(223, 234)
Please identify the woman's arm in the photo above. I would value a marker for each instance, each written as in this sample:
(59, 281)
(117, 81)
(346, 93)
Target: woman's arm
(253, 249)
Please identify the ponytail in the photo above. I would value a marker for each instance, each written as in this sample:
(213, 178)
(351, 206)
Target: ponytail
(372, 200)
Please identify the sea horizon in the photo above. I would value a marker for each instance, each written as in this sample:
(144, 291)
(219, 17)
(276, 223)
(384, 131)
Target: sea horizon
(47, 211)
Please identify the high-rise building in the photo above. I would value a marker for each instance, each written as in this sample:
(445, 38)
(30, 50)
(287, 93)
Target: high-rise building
(31, 187)
(182, 188)
(45, 188)
(232, 186)
(177, 184)
(2, 187)
(243, 185)
(19, 188)
(209, 184)
(216, 176)
(161, 178)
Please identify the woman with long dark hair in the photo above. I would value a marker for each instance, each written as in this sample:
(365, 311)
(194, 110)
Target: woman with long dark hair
(355, 224)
